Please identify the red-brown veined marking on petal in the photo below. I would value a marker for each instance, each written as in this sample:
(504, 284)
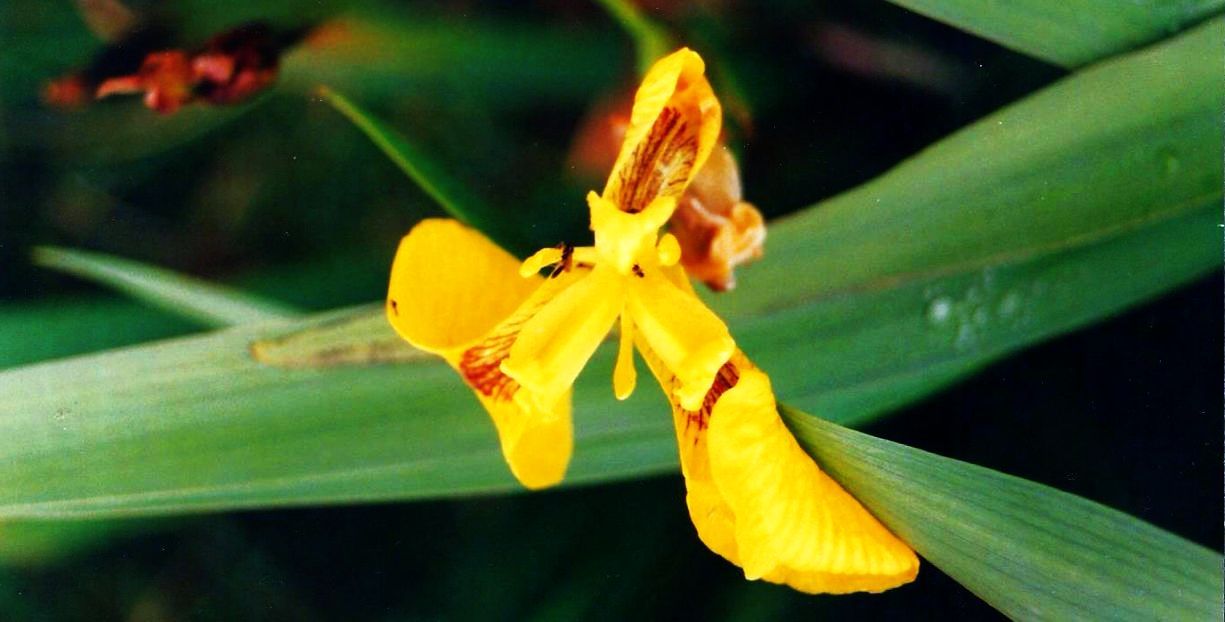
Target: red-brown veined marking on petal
(727, 378)
(481, 365)
(659, 164)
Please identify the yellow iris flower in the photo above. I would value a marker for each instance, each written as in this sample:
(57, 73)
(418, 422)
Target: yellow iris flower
(520, 339)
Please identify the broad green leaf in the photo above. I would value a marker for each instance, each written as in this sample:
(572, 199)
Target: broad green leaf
(34, 542)
(1070, 33)
(67, 326)
(203, 302)
(1036, 220)
(1031, 551)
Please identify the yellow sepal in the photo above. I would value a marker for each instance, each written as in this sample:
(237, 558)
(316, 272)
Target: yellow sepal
(450, 285)
(758, 500)
(793, 523)
(457, 294)
(537, 444)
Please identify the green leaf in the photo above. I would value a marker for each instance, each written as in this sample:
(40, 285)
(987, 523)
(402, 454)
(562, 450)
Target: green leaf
(1036, 220)
(208, 304)
(1070, 33)
(1033, 552)
(450, 194)
(66, 326)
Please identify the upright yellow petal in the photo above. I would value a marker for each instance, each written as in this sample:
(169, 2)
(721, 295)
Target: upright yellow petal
(673, 128)
(450, 285)
(555, 344)
(794, 524)
(690, 340)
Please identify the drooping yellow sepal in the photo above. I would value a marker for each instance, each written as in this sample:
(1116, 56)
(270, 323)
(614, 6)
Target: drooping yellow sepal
(456, 294)
(450, 285)
(757, 499)
(794, 524)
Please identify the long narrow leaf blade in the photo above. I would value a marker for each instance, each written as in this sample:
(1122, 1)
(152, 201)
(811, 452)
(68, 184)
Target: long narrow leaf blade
(1031, 551)
(208, 304)
(1068, 32)
(447, 192)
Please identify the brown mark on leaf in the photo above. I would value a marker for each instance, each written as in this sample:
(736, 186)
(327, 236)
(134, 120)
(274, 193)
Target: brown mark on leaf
(356, 338)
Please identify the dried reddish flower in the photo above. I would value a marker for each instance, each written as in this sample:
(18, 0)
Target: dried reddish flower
(231, 67)
(166, 79)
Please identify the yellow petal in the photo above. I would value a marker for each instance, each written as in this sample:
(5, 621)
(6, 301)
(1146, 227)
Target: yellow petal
(673, 128)
(690, 340)
(555, 344)
(793, 523)
(450, 285)
(536, 435)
